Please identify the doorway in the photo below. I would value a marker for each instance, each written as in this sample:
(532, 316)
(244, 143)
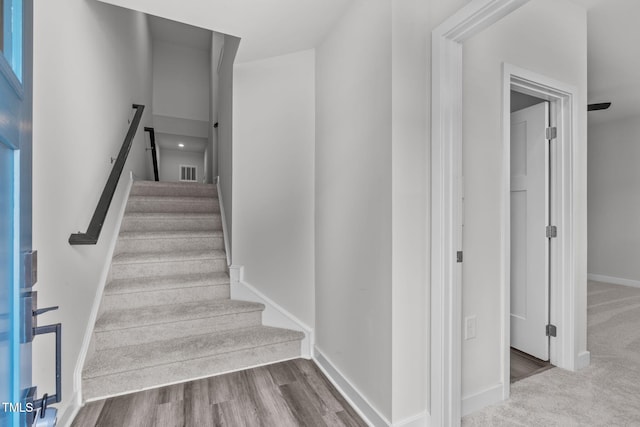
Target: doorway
(552, 329)
(530, 207)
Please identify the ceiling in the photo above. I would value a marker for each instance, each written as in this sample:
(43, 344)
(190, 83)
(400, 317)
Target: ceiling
(178, 33)
(267, 28)
(614, 58)
(168, 141)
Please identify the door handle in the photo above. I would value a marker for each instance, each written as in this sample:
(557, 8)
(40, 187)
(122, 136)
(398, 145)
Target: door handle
(47, 400)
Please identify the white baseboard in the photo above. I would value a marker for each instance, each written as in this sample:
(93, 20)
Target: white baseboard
(422, 419)
(273, 315)
(77, 374)
(584, 359)
(70, 412)
(351, 394)
(482, 399)
(614, 280)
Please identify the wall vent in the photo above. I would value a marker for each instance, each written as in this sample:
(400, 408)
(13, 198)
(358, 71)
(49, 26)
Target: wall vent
(188, 173)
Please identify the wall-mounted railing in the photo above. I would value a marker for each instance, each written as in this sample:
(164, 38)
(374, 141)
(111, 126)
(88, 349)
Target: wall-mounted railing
(154, 155)
(100, 214)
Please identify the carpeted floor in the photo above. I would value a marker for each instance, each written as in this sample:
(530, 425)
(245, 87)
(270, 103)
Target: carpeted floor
(607, 393)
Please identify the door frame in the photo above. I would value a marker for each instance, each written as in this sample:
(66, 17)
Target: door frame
(563, 115)
(446, 212)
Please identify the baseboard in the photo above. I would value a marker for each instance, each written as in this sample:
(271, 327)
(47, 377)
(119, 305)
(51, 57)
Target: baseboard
(614, 280)
(584, 359)
(223, 218)
(422, 419)
(273, 315)
(77, 374)
(351, 394)
(482, 399)
(70, 412)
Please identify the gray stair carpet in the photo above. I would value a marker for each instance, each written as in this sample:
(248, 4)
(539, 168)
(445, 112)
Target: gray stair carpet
(166, 315)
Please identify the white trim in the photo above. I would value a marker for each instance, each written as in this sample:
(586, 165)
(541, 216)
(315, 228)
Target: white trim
(86, 342)
(351, 394)
(614, 280)
(236, 273)
(446, 155)
(274, 314)
(584, 359)
(564, 116)
(225, 231)
(477, 401)
(419, 420)
(66, 419)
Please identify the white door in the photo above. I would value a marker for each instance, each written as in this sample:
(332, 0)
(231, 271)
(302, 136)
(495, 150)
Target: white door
(529, 218)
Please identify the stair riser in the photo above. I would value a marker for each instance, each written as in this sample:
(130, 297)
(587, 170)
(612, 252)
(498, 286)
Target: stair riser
(174, 191)
(162, 297)
(192, 206)
(169, 245)
(145, 334)
(145, 224)
(179, 371)
(172, 268)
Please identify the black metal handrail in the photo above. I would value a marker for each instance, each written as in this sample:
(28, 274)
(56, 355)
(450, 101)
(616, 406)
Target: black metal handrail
(154, 156)
(98, 218)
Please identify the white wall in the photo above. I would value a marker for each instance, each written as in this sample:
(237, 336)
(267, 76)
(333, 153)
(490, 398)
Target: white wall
(410, 313)
(181, 81)
(217, 43)
(353, 199)
(225, 130)
(273, 178)
(614, 199)
(87, 73)
(172, 159)
(547, 37)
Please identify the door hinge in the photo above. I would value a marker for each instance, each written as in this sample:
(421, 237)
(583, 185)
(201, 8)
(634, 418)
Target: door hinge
(551, 330)
(552, 231)
(552, 132)
(459, 256)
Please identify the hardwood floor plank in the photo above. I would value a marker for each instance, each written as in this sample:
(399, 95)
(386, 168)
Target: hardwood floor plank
(271, 406)
(170, 414)
(114, 412)
(288, 394)
(302, 408)
(197, 409)
(350, 418)
(332, 419)
(315, 382)
(142, 408)
(88, 415)
(171, 393)
(282, 373)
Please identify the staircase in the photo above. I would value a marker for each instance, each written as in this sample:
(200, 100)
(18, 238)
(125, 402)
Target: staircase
(166, 315)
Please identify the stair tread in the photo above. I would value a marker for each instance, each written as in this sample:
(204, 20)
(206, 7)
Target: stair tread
(171, 215)
(153, 315)
(145, 284)
(149, 257)
(135, 357)
(143, 183)
(175, 234)
(173, 198)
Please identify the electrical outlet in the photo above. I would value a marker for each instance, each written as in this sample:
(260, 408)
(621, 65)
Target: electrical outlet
(470, 324)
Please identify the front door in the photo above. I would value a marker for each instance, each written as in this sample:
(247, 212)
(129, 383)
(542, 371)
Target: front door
(15, 202)
(529, 218)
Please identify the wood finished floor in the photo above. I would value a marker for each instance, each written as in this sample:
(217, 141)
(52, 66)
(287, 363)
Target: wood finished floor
(292, 393)
(524, 365)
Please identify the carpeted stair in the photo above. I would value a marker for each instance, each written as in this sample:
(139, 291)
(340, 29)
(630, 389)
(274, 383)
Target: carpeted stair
(165, 315)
